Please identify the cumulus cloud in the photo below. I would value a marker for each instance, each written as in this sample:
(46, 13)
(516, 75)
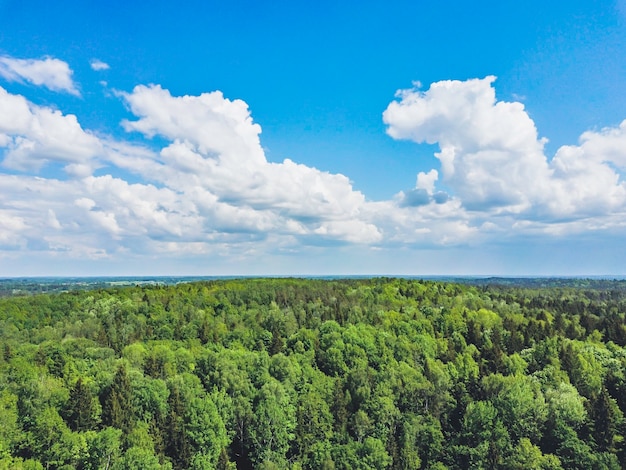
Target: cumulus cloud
(202, 184)
(51, 73)
(208, 188)
(98, 65)
(490, 153)
(494, 162)
(216, 148)
(587, 179)
(33, 136)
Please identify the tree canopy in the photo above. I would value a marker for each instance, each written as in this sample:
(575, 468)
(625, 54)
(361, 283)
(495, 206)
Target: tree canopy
(315, 374)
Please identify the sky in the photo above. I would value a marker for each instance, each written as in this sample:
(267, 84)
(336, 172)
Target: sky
(319, 138)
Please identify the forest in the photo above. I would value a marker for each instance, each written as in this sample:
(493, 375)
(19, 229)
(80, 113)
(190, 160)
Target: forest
(378, 373)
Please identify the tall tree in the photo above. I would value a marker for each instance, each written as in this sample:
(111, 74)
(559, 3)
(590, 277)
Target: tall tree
(117, 403)
(80, 407)
(273, 424)
(178, 446)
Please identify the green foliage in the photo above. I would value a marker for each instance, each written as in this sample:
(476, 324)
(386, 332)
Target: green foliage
(313, 374)
(117, 402)
(80, 414)
(273, 423)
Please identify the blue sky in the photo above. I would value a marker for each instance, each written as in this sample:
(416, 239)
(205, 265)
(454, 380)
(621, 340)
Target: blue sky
(283, 138)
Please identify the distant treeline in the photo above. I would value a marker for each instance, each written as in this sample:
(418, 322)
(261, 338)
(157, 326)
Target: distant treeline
(50, 285)
(316, 374)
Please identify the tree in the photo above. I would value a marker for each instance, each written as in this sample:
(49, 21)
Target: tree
(178, 446)
(367, 455)
(520, 402)
(421, 441)
(9, 430)
(117, 403)
(566, 413)
(605, 420)
(53, 443)
(487, 439)
(103, 448)
(137, 458)
(527, 456)
(314, 428)
(205, 432)
(80, 413)
(271, 431)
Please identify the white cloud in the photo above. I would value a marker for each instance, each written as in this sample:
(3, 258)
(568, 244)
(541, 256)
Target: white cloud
(33, 135)
(51, 73)
(586, 178)
(426, 181)
(98, 65)
(205, 187)
(494, 162)
(53, 222)
(11, 228)
(213, 125)
(490, 153)
(216, 148)
(212, 194)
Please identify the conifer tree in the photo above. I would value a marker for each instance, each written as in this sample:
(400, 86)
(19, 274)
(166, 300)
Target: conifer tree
(80, 412)
(117, 402)
(177, 447)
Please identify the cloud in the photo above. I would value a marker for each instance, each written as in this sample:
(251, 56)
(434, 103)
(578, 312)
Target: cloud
(494, 162)
(216, 148)
(202, 185)
(51, 73)
(424, 192)
(490, 152)
(98, 65)
(34, 135)
(415, 197)
(11, 227)
(587, 179)
(212, 124)
(209, 188)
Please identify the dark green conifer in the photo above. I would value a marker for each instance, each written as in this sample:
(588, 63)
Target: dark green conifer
(117, 402)
(177, 447)
(80, 407)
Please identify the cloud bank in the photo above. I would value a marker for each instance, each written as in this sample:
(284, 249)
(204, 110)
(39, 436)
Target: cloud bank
(202, 185)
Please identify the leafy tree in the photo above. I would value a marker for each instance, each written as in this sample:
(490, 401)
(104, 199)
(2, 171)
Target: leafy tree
(178, 447)
(137, 458)
(487, 439)
(274, 421)
(314, 428)
(606, 420)
(566, 414)
(52, 442)
(205, 431)
(103, 448)
(520, 402)
(527, 456)
(10, 429)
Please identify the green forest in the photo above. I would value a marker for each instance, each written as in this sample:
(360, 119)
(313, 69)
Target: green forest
(315, 374)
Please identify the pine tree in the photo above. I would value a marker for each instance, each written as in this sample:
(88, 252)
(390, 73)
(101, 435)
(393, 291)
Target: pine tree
(177, 447)
(605, 419)
(80, 412)
(117, 402)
